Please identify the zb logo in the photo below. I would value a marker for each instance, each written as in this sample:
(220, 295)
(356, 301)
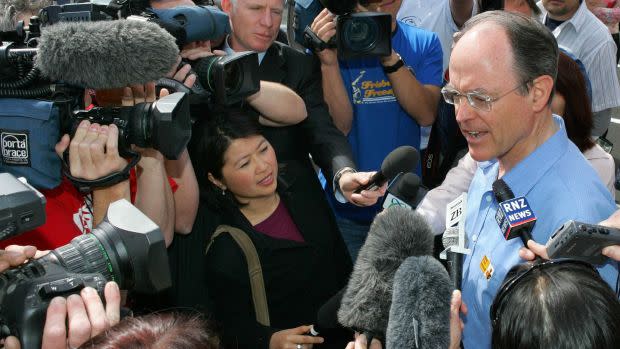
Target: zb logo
(15, 150)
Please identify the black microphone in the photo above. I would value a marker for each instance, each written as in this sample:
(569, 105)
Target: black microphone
(420, 311)
(514, 215)
(405, 190)
(395, 234)
(327, 316)
(105, 54)
(401, 159)
(450, 239)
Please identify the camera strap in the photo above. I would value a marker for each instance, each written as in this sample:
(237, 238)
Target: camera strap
(313, 42)
(86, 185)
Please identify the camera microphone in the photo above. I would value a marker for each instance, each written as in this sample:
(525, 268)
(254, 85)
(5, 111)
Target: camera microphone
(105, 54)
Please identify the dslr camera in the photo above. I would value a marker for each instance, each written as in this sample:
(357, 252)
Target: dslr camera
(361, 34)
(126, 247)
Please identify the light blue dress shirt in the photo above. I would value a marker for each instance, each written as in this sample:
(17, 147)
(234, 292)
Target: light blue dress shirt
(559, 185)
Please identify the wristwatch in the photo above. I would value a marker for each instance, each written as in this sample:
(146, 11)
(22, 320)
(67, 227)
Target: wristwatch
(394, 67)
(336, 181)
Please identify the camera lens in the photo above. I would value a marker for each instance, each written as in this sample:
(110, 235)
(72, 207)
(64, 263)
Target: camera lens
(360, 34)
(99, 252)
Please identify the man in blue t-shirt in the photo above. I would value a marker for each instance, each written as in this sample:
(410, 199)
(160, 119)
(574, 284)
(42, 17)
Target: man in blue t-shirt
(379, 103)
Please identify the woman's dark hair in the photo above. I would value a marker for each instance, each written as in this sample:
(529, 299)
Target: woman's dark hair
(211, 137)
(577, 112)
(556, 305)
(158, 330)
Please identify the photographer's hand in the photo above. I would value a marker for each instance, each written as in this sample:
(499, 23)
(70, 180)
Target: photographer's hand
(71, 322)
(324, 26)
(93, 151)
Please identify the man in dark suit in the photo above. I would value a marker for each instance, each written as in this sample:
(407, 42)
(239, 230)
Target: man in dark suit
(256, 24)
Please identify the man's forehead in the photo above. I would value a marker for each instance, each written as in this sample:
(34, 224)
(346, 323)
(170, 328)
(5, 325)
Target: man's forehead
(272, 3)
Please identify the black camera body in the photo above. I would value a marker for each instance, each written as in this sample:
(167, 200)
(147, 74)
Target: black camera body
(127, 247)
(362, 34)
(31, 289)
(163, 125)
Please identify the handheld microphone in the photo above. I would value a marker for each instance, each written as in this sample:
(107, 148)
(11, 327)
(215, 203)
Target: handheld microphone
(514, 215)
(420, 311)
(454, 239)
(394, 235)
(327, 316)
(105, 54)
(405, 191)
(401, 159)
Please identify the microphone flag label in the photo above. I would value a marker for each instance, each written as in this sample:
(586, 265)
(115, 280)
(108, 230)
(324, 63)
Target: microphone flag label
(514, 214)
(392, 200)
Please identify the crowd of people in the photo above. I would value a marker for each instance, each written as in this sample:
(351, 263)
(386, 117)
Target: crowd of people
(261, 212)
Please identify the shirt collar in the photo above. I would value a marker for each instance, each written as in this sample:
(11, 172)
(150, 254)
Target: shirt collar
(230, 51)
(534, 166)
(577, 21)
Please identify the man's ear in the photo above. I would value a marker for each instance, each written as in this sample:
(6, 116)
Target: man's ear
(541, 90)
(215, 182)
(226, 6)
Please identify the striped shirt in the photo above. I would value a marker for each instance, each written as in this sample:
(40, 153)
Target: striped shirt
(589, 40)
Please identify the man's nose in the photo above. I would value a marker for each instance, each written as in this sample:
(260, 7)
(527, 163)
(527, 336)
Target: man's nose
(266, 19)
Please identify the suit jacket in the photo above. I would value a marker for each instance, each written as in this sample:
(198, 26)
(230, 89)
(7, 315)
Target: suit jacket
(316, 135)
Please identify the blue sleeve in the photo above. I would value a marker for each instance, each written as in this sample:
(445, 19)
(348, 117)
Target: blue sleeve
(430, 68)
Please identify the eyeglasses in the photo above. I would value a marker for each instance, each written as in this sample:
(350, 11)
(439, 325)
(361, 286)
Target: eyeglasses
(476, 99)
(516, 274)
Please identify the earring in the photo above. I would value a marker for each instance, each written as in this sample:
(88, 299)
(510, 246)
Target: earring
(224, 191)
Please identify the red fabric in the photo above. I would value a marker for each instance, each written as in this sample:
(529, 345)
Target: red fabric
(64, 208)
(280, 225)
(67, 216)
(133, 184)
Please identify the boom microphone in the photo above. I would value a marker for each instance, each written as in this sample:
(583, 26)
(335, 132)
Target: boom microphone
(420, 311)
(401, 159)
(105, 54)
(395, 234)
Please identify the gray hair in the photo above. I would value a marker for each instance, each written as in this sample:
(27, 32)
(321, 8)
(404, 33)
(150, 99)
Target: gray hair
(12, 9)
(534, 48)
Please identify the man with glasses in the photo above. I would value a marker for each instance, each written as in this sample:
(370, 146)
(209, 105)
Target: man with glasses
(502, 73)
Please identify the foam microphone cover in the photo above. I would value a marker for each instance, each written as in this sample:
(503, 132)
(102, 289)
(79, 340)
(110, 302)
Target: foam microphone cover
(395, 234)
(402, 159)
(105, 54)
(407, 187)
(420, 312)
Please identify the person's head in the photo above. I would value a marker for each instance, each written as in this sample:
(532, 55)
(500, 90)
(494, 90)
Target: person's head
(561, 10)
(14, 11)
(524, 7)
(255, 23)
(502, 70)
(235, 159)
(555, 304)
(158, 330)
(572, 103)
(388, 6)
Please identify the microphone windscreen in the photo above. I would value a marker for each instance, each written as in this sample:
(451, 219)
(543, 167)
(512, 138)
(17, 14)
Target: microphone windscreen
(450, 237)
(420, 312)
(401, 159)
(105, 54)
(395, 234)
